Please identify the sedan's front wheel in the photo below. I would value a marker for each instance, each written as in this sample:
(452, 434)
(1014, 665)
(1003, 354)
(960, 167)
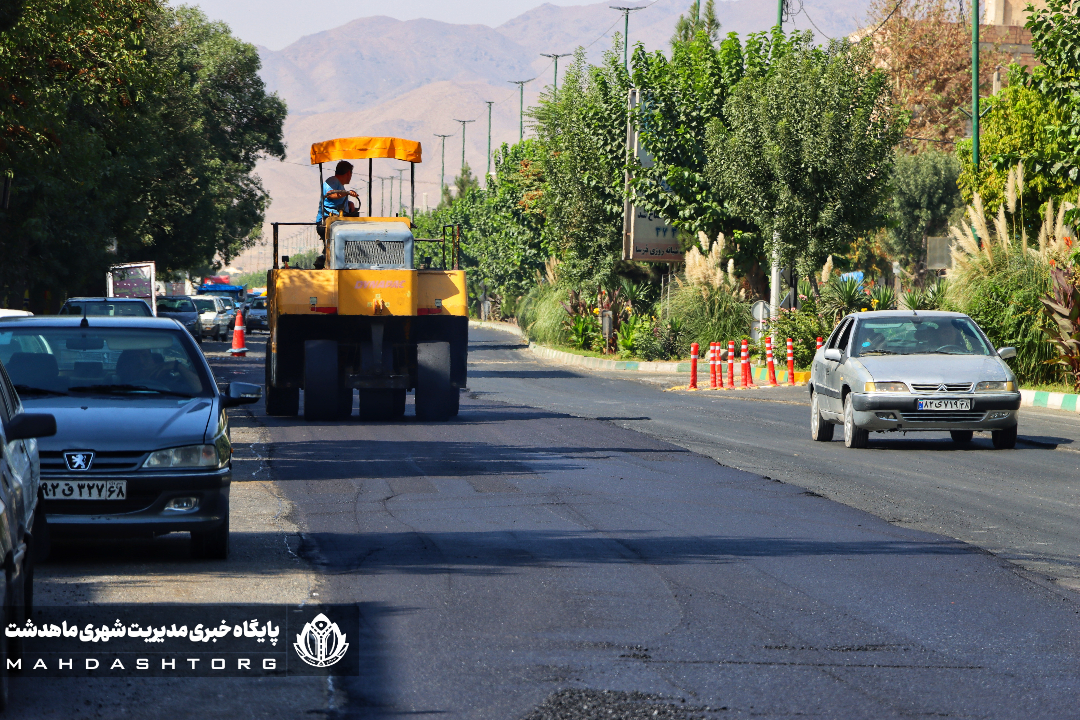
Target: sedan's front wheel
(854, 436)
(1004, 439)
(821, 429)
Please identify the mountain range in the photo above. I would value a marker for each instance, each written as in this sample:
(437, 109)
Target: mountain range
(381, 76)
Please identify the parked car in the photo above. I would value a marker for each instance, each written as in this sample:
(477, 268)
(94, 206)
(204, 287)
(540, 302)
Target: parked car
(142, 444)
(230, 309)
(109, 306)
(903, 370)
(182, 309)
(212, 316)
(255, 318)
(24, 533)
(5, 312)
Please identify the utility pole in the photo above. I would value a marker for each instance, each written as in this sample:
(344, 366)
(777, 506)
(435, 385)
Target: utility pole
(463, 124)
(382, 196)
(400, 190)
(521, 111)
(975, 86)
(391, 179)
(488, 173)
(780, 14)
(774, 276)
(626, 33)
(555, 57)
(442, 178)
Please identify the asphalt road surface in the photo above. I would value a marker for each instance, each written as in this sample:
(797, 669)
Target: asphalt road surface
(576, 545)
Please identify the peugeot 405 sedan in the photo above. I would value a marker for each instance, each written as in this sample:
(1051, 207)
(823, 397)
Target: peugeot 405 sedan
(142, 444)
(903, 370)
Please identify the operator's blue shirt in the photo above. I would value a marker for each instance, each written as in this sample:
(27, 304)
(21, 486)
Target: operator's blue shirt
(329, 206)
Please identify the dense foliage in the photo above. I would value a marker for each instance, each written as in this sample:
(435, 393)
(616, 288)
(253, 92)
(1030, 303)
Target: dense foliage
(924, 197)
(131, 131)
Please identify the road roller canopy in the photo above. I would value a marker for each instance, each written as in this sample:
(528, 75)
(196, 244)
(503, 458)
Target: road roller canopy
(362, 148)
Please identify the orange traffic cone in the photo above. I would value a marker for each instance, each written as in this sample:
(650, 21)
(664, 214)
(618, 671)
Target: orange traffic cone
(239, 348)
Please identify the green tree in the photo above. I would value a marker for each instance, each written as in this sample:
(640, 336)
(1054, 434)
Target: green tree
(583, 135)
(1018, 128)
(807, 149)
(1055, 38)
(697, 20)
(924, 196)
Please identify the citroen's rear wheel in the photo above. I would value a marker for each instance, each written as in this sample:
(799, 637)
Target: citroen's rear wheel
(820, 428)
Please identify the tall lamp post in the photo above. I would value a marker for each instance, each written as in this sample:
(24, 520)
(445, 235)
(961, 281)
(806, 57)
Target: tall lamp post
(521, 111)
(442, 177)
(488, 173)
(400, 190)
(555, 57)
(463, 124)
(626, 32)
(975, 86)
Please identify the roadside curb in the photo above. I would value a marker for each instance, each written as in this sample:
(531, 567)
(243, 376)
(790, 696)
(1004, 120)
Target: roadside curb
(1050, 400)
(760, 374)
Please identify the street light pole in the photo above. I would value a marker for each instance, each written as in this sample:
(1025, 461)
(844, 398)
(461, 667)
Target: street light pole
(463, 124)
(488, 173)
(975, 86)
(555, 57)
(521, 111)
(442, 177)
(400, 190)
(626, 32)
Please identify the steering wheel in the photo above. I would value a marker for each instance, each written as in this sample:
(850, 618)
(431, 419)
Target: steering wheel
(961, 348)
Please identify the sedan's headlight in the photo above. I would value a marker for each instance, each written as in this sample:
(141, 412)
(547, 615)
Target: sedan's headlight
(189, 456)
(994, 386)
(885, 387)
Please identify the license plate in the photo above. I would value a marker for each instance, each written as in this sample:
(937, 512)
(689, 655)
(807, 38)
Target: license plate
(88, 490)
(931, 404)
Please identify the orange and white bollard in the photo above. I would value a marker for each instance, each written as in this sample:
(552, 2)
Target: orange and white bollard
(713, 352)
(747, 379)
(694, 348)
(769, 361)
(731, 364)
(239, 347)
(790, 361)
(819, 343)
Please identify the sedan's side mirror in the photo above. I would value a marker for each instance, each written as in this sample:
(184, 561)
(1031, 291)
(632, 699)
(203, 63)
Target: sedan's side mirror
(834, 355)
(1006, 353)
(240, 393)
(30, 425)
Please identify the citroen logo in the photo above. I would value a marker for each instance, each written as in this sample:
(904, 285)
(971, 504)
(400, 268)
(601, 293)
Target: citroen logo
(79, 461)
(943, 387)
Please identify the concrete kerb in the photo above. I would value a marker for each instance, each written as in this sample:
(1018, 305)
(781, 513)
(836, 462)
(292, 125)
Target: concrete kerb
(1050, 400)
(593, 363)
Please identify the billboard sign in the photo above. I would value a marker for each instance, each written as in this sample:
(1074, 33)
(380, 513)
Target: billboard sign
(646, 237)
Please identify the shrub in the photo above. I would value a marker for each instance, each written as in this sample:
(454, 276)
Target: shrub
(708, 314)
(540, 314)
(804, 326)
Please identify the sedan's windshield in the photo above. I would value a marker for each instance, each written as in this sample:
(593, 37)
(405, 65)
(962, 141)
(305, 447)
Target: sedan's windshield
(918, 336)
(112, 308)
(175, 305)
(205, 304)
(102, 361)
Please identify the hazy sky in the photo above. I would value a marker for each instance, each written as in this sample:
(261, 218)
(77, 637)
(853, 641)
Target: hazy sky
(277, 23)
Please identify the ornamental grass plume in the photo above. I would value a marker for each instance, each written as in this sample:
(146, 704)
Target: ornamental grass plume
(826, 270)
(708, 269)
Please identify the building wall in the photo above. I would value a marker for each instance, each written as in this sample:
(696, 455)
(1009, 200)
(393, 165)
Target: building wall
(1008, 12)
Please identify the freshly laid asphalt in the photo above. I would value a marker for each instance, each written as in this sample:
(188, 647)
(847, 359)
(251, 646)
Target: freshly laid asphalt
(589, 545)
(552, 553)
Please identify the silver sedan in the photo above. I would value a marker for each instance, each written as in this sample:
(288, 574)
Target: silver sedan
(903, 370)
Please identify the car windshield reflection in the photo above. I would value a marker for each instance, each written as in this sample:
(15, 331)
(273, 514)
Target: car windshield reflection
(102, 361)
(918, 336)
